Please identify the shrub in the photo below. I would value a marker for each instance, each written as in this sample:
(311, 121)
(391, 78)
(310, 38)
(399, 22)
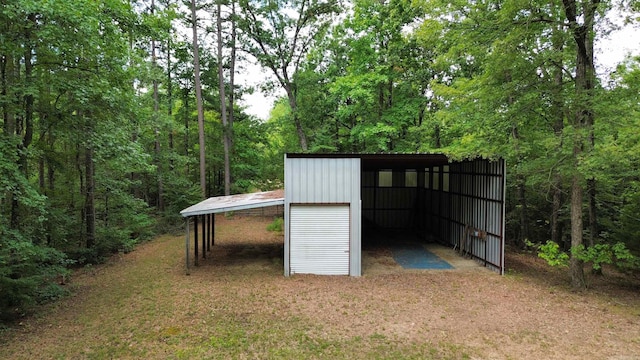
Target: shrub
(28, 274)
(277, 225)
(597, 255)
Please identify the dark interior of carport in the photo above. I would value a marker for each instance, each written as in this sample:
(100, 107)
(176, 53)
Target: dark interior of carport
(427, 198)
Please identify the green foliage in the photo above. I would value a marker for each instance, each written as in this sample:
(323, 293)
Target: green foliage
(550, 251)
(28, 273)
(599, 254)
(72, 141)
(277, 225)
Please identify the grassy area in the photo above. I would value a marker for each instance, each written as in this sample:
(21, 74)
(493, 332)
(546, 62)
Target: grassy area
(237, 305)
(141, 305)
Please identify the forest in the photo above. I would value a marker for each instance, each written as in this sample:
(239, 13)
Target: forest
(117, 114)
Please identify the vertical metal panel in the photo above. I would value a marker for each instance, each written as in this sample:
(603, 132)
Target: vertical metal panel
(478, 188)
(320, 180)
(324, 181)
(395, 207)
(320, 239)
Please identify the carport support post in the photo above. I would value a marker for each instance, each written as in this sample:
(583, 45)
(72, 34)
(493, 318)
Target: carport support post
(209, 233)
(195, 243)
(211, 216)
(186, 244)
(204, 236)
(213, 229)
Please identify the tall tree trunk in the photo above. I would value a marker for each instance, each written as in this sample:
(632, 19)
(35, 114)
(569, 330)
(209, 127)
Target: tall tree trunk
(293, 104)
(521, 193)
(89, 200)
(156, 110)
(223, 103)
(583, 119)
(50, 190)
(576, 266)
(9, 79)
(232, 84)
(593, 221)
(6, 74)
(522, 202)
(232, 64)
(437, 138)
(557, 110)
(186, 128)
(28, 98)
(520, 177)
(556, 229)
(24, 126)
(170, 101)
(196, 73)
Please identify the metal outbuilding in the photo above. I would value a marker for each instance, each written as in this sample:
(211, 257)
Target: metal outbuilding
(335, 202)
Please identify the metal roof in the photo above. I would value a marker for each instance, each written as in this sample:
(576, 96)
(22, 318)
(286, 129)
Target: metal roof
(372, 162)
(237, 202)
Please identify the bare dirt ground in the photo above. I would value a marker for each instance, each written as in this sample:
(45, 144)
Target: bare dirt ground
(238, 304)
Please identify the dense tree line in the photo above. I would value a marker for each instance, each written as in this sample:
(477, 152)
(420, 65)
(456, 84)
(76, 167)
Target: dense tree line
(100, 140)
(99, 132)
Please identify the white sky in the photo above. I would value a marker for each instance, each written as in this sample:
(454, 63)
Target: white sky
(258, 104)
(612, 50)
(609, 53)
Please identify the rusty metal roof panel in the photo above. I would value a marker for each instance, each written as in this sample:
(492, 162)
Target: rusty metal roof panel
(236, 202)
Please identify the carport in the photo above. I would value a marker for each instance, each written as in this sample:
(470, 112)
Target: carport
(204, 213)
(332, 202)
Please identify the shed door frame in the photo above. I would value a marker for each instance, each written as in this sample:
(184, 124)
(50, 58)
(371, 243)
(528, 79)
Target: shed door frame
(320, 239)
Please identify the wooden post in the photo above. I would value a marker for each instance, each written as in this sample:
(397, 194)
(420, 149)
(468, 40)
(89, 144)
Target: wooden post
(213, 230)
(195, 242)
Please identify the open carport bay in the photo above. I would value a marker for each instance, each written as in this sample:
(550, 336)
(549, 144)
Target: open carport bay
(384, 252)
(243, 245)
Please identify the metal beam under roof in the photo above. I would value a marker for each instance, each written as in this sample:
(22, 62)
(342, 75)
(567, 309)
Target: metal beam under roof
(219, 204)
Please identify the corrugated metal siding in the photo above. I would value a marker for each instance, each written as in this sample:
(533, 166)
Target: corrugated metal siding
(317, 180)
(476, 198)
(448, 198)
(319, 239)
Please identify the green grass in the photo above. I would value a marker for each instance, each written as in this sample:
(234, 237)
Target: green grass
(237, 305)
(141, 305)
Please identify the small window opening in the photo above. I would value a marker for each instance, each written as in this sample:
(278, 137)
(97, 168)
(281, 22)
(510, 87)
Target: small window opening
(427, 178)
(445, 178)
(410, 178)
(385, 178)
(436, 178)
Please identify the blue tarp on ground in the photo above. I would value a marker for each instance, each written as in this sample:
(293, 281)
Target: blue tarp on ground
(415, 256)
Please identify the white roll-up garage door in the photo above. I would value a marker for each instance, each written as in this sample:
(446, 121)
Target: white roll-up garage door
(319, 239)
